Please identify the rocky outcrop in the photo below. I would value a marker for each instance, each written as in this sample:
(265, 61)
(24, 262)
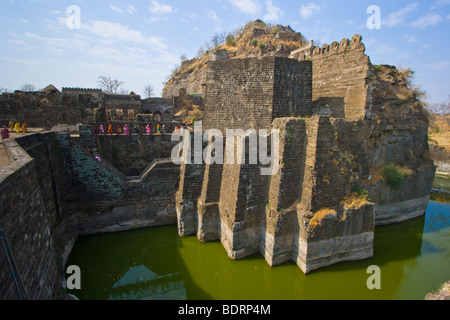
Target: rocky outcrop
(256, 39)
(442, 294)
(331, 189)
(440, 156)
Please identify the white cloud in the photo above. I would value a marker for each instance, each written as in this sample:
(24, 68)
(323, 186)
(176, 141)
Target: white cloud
(131, 9)
(213, 15)
(448, 17)
(18, 42)
(429, 20)
(273, 13)
(385, 49)
(58, 24)
(51, 42)
(440, 65)
(397, 18)
(308, 10)
(158, 8)
(116, 9)
(440, 3)
(251, 7)
(116, 31)
(410, 38)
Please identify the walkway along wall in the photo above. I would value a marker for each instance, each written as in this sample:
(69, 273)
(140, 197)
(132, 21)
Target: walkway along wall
(54, 190)
(30, 191)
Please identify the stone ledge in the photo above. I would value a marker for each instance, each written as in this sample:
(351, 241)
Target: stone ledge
(400, 211)
(331, 251)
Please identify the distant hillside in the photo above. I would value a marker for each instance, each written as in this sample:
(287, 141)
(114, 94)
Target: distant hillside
(256, 39)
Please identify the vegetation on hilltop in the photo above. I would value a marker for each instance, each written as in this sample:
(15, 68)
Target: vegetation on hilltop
(256, 39)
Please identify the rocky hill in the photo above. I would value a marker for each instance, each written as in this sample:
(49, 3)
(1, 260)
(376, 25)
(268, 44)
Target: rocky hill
(256, 39)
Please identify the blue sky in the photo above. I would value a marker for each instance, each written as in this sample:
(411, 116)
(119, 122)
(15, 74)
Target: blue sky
(139, 42)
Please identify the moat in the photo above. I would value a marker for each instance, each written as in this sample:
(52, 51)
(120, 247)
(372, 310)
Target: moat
(157, 264)
(354, 172)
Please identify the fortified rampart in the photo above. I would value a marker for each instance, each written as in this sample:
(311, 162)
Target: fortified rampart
(250, 93)
(340, 77)
(31, 188)
(306, 211)
(56, 189)
(65, 111)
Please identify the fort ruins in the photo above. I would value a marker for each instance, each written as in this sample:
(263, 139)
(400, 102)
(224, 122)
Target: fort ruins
(341, 120)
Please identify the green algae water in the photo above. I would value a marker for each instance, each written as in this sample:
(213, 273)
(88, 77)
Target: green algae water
(156, 264)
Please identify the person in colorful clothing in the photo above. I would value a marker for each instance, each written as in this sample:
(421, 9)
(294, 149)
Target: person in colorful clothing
(158, 131)
(127, 130)
(17, 127)
(24, 128)
(102, 129)
(11, 125)
(149, 131)
(119, 129)
(110, 129)
(5, 132)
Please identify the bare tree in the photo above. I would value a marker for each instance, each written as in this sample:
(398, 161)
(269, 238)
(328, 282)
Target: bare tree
(4, 90)
(201, 52)
(442, 110)
(109, 85)
(149, 91)
(27, 87)
(218, 39)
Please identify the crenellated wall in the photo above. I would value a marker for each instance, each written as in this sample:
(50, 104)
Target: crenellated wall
(322, 206)
(340, 77)
(338, 126)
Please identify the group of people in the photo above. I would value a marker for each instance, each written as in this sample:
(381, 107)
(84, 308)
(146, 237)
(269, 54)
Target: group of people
(136, 129)
(17, 127)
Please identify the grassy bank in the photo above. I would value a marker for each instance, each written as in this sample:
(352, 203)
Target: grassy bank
(442, 182)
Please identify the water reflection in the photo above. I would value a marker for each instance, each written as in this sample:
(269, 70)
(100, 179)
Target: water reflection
(157, 264)
(140, 283)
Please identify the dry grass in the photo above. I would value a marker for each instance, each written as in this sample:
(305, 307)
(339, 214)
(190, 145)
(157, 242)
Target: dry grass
(442, 138)
(320, 215)
(242, 43)
(355, 201)
(190, 113)
(405, 171)
(376, 174)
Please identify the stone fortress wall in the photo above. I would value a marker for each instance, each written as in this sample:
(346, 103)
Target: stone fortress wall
(330, 141)
(65, 111)
(345, 87)
(54, 190)
(249, 93)
(327, 150)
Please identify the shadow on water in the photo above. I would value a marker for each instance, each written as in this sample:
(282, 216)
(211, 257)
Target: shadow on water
(157, 264)
(139, 265)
